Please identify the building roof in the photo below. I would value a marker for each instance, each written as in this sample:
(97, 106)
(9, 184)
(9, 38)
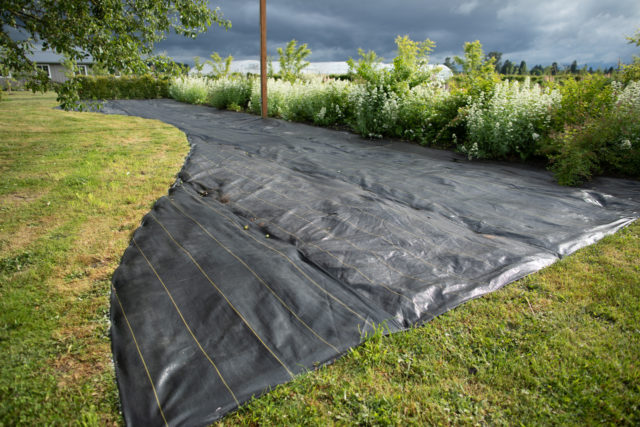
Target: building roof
(50, 57)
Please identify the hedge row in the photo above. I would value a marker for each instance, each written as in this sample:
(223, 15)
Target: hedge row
(125, 87)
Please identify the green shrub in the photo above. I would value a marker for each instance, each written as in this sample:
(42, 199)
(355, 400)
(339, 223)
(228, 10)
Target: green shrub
(631, 73)
(521, 78)
(448, 120)
(276, 99)
(608, 143)
(125, 87)
(478, 76)
(582, 100)
(292, 60)
(8, 84)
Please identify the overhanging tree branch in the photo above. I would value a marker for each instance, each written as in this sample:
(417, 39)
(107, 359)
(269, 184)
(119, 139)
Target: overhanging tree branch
(116, 33)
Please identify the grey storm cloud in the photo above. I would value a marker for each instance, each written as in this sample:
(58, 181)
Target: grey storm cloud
(541, 31)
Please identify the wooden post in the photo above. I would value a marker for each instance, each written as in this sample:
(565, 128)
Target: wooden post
(263, 56)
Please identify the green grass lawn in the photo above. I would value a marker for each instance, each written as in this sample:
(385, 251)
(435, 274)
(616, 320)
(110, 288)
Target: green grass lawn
(74, 186)
(559, 347)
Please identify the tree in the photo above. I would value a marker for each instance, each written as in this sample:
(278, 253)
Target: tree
(554, 69)
(524, 70)
(198, 65)
(292, 60)
(635, 39)
(497, 59)
(410, 64)
(367, 69)
(631, 72)
(507, 68)
(537, 70)
(573, 68)
(119, 34)
(478, 71)
(450, 65)
(474, 63)
(219, 67)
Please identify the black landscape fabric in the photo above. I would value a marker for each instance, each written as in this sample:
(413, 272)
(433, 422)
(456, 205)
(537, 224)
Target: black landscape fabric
(282, 245)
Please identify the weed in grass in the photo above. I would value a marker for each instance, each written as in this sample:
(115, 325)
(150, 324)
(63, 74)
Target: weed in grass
(15, 263)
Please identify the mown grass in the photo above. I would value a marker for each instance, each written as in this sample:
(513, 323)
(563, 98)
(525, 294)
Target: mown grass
(559, 347)
(74, 186)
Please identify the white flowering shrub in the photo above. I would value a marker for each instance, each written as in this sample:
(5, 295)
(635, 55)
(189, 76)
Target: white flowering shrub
(275, 98)
(623, 146)
(629, 98)
(230, 92)
(315, 100)
(193, 90)
(509, 121)
(419, 113)
(375, 110)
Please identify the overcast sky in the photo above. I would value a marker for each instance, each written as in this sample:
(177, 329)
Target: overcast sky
(538, 31)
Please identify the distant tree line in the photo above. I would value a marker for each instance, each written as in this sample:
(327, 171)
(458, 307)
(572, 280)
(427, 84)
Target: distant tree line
(509, 68)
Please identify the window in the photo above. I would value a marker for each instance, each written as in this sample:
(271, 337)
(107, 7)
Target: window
(82, 70)
(44, 68)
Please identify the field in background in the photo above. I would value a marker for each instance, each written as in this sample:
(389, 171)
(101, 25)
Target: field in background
(559, 347)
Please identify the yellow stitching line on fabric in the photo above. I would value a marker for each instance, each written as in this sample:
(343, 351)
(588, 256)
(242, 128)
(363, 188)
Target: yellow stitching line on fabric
(246, 322)
(185, 323)
(327, 252)
(260, 279)
(338, 300)
(135, 341)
